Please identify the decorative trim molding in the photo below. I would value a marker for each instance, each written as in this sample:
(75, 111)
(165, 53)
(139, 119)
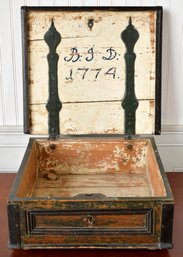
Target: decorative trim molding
(1, 89)
(167, 129)
(11, 129)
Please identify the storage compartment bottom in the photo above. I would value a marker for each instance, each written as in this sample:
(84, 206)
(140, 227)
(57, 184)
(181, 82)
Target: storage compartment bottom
(109, 185)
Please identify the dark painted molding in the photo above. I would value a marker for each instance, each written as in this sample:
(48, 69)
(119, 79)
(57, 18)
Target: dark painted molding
(14, 225)
(167, 225)
(159, 17)
(32, 228)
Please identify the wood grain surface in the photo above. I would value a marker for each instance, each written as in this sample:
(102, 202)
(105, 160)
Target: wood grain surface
(66, 168)
(91, 70)
(176, 182)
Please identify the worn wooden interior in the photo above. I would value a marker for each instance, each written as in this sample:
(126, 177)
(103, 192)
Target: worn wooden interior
(86, 167)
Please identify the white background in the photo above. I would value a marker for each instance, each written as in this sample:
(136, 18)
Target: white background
(12, 140)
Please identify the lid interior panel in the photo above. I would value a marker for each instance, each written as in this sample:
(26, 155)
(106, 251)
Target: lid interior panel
(91, 69)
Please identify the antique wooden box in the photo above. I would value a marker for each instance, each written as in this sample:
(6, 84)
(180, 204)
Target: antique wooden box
(92, 86)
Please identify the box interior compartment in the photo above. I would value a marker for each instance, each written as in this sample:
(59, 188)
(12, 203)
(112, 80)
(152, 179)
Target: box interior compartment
(91, 167)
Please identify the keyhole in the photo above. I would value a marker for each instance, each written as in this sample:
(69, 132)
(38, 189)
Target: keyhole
(90, 220)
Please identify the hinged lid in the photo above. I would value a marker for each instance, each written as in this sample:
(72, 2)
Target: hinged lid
(92, 70)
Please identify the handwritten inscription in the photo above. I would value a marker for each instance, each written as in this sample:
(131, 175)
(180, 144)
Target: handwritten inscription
(76, 56)
(111, 54)
(82, 73)
(90, 55)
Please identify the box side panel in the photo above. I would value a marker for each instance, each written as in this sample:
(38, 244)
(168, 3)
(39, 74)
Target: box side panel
(29, 156)
(29, 175)
(155, 172)
(13, 211)
(162, 174)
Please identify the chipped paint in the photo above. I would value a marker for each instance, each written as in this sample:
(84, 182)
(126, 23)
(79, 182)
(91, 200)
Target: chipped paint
(90, 157)
(112, 167)
(91, 100)
(140, 159)
(152, 28)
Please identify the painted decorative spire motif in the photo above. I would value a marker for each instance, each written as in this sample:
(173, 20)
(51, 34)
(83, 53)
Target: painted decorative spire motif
(52, 37)
(130, 103)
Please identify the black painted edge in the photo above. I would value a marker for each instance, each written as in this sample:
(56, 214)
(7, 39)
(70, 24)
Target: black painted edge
(158, 70)
(14, 246)
(26, 116)
(14, 225)
(90, 8)
(167, 225)
(166, 246)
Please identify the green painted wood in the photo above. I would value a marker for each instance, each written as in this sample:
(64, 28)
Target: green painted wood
(130, 103)
(52, 38)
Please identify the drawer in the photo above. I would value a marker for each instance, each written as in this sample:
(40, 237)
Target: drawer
(116, 221)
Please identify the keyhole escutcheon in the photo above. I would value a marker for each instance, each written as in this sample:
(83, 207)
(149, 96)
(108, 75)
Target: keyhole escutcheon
(90, 220)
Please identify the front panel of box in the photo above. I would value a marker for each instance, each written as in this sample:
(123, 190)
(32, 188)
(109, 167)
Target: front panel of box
(90, 224)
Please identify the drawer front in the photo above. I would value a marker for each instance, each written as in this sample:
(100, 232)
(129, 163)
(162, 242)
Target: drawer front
(56, 222)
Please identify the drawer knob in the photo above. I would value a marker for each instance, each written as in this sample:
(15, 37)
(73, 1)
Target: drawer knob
(89, 220)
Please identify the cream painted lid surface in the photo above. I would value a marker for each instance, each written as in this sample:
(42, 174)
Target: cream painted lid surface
(91, 69)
